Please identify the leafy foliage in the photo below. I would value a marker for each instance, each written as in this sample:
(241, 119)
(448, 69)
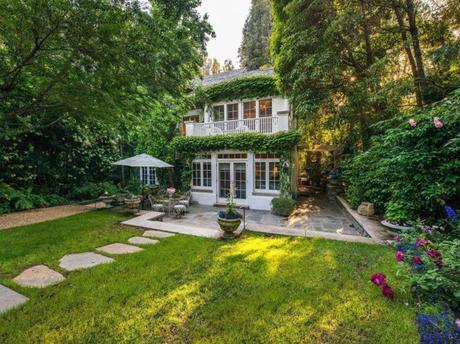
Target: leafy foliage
(410, 172)
(254, 142)
(255, 47)
(237, 89)
(283, 206)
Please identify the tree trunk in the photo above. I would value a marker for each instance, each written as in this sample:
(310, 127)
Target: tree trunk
(407, 47)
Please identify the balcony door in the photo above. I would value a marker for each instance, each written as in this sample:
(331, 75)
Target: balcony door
(232, 174)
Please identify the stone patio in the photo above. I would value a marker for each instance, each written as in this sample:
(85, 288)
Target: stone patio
(84, 260)
(39, 276)
(10, 299)
(313, 214)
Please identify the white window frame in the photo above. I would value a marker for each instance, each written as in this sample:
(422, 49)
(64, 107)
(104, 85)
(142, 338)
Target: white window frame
(267, 162)
(201, 162)
(241, 108)
(151, 174)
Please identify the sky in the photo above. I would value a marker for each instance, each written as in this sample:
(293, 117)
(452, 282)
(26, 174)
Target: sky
(227, 19)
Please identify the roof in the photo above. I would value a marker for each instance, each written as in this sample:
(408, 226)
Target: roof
(214, 79)
(142, 160)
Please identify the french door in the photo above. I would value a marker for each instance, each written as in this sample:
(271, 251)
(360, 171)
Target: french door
(232, 174)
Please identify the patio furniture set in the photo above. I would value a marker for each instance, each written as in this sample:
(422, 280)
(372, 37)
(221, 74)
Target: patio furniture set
(174, 206)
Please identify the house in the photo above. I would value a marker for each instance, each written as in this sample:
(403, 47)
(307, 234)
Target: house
(237, 103)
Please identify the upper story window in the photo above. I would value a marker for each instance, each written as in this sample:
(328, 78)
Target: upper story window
(232, 112)
(265, 108)
(249, 109)
(218, 112)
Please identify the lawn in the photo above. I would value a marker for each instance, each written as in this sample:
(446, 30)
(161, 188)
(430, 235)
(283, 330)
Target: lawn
(253, 290)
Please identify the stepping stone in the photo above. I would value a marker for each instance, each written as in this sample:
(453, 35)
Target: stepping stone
(39, 276)
(84, 260)
(10, 299)
(157, 234)
(118, 248)
(142, 241)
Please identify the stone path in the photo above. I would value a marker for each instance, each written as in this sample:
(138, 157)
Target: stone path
(39, 276)
(142, 241)
(157, 234)
(10, 299)
(84, 260)
(118, 248)
(29, 217)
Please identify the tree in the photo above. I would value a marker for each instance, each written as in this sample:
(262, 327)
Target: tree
(228, 66)
(78, 75)
(215, 66)
(254, 51)
(99, 59)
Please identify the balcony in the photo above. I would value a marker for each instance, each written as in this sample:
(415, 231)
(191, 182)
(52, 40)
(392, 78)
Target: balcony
(265, 125)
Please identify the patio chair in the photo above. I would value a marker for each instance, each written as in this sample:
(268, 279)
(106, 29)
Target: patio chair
(155, 205)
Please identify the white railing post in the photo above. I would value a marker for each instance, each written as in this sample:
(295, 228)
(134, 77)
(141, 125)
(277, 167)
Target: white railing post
(189, 126)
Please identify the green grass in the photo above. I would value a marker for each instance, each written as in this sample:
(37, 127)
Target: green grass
(253, 290)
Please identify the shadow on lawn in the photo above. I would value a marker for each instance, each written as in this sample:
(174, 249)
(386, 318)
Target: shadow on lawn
(255, 290)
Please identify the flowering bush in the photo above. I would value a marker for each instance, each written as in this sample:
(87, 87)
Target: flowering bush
(414, 166)
(430, 259)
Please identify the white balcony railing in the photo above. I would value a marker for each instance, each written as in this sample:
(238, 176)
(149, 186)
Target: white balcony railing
(266, 125)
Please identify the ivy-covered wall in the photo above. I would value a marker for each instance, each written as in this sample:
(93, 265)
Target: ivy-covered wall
(236, 89)
(184, 148)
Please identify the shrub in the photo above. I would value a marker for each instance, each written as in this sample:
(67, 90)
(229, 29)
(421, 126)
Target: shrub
(92, 191)
(283, 206)
(410, 171)
(12, 199)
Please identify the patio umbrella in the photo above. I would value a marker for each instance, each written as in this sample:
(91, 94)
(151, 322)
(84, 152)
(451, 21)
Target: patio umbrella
(143, 160)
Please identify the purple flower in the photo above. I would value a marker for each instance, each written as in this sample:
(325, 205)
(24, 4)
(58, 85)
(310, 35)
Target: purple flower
(421, 242)
(451, 213)
(427, 230)
(433, 253)
(378, 279)
(417, 260)
(400, 256)
(387, 291)
(439, 263)
(457, 325)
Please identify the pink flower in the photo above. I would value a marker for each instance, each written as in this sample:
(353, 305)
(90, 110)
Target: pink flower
(457, 323)
(437, 123)
(433, 253)
(387, 291)
(417, 260)
(439, 263)
(378, 279)
(421, 242)
(400, 256)
(412, 123)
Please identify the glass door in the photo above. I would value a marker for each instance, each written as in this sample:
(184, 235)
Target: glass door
(232, 174)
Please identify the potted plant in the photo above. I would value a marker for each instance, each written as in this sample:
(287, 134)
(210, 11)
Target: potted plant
(396, 218)
(106, 199)
(229, 219)
(132, 203)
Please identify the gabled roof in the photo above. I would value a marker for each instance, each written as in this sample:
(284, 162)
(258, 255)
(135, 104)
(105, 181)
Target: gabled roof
(214, 79)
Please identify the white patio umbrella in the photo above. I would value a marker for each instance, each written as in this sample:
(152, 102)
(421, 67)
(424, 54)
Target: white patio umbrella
(144, 160)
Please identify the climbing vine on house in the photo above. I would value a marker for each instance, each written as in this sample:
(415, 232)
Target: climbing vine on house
(237, 89)
(185, 148)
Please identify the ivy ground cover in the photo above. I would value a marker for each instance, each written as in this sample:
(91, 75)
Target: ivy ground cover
(255, 290)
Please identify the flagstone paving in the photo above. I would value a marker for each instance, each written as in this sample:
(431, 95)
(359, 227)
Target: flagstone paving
(39, 276)
(10, 299)
(142, 241)
(118, 248)
(84, 260)
(157, 234)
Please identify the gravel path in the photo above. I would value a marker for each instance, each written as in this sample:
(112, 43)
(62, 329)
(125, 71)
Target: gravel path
(29, 217)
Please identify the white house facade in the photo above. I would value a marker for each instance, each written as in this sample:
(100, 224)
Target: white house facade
(253, 177)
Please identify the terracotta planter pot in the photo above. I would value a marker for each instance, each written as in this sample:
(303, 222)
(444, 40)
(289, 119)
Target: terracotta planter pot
(229, 226)
(107, 200)
(132, 204)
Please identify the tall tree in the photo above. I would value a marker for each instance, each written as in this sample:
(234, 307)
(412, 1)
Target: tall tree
(228, 66)
(254, 51)
(215, 66)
